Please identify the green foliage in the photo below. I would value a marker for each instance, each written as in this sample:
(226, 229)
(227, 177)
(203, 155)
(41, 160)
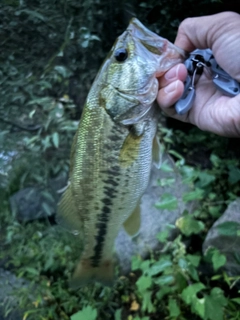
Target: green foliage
(52, 52)
(188, 225)
(168, 202)
(86, 313)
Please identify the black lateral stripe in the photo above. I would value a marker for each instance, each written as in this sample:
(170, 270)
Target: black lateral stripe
(103, 218)
(100, 237)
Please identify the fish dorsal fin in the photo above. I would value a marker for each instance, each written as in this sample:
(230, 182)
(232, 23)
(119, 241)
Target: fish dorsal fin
(67, 213)
(133, 222)
(156, 152)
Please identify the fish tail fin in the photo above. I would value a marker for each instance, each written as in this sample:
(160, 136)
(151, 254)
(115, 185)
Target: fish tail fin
(85, 273)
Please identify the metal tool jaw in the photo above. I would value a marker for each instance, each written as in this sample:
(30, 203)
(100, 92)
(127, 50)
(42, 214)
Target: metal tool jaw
(195, 64)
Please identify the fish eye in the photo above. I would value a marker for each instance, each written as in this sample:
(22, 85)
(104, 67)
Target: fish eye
(121, 55)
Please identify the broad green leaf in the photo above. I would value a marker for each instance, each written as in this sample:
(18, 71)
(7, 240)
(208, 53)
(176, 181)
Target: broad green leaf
(193, 272)
(188, 225)
(144, 283)
(163, 235)
(147, 304)
(198, 307)
(136, 263)
(205, 179)
(237, 300)
(214, 304)
(168, 202)
(32, 271)
(189, 294)
(166, 182)
(234, 174)
(193, 195)
(145, 265)
(173, 308)
(87, 313)
(183, 264)
(164, 280)
(159, 266)
(47, 209)
(218, 260)
(228, 228)
(194, 259)
(165, 290)
(215, 160)
(117, 315)
(165, 167)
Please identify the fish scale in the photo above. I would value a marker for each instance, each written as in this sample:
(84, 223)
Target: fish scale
(114, 148)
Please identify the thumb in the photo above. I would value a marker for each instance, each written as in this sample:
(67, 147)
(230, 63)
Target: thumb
(219, 32)
(203, 32)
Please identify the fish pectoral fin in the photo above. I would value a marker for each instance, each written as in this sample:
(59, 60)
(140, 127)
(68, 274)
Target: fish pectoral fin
(129, 152)
(133, 223)
(85, 273)
(156, 152)
(67, 213)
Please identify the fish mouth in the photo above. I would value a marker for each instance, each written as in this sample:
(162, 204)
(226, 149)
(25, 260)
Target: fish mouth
(157, 45)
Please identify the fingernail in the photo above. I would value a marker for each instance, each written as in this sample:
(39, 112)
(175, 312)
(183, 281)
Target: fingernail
(171, 74)
(171, 87)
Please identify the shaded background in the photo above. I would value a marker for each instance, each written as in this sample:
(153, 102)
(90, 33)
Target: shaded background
(50, 53)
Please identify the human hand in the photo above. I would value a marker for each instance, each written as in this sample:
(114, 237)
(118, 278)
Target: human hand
(211, 111)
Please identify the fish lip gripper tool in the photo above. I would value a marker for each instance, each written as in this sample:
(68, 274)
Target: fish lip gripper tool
(195, 64)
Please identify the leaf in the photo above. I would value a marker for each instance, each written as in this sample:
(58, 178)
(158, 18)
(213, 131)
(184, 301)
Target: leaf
(164, 280)
(165, 167)
(85, 43)
(31, 13)
(159, 266)
(117, 315)
(33, 271)
(147, 302)
(55, 139)
(214, 304)
(136, 263)
(87, 313)
(163, 235)
(189, 294)
(215, 160)
(237, 300)
(47, 209)
(194, 259)
(205, 179)
(218, 260)
(173, 308)
(188, 225)
(144, 283)
(234, 174)
(168, 202)
(63, 71)
(193, 195)
(228, 228)
(166, 182)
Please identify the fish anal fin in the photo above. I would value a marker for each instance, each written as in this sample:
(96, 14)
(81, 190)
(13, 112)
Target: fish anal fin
(67, 213)
(156, 152)
(133, 222)
(85, 273)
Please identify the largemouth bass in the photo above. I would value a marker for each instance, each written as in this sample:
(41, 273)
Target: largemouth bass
(114, 148)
